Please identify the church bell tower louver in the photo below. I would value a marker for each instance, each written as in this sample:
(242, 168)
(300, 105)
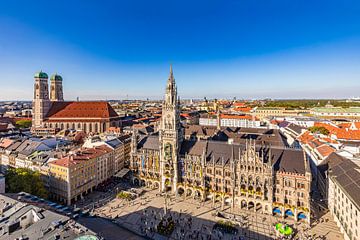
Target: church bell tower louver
(170, 137)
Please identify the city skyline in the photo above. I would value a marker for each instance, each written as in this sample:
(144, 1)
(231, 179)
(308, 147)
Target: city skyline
(238, 49)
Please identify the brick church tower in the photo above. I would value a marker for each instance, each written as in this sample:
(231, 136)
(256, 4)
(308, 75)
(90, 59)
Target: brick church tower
(41, 102)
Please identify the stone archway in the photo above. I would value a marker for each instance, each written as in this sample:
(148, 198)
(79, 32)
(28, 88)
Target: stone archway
(259, 207)
(180, 191)
(156, 185)
(189, 192)
(243, 204)
(251, 205)
(227, 201)
(149, 184)
(197, 194)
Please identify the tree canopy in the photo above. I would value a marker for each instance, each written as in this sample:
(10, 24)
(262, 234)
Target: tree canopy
(23, 123)
(309, 103)
(25, 180)
(321, 130)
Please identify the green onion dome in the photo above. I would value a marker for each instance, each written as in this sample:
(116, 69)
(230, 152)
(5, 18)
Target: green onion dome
(56, 77)
(41, 74)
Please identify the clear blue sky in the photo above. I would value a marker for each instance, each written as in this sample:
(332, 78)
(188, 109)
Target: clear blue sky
(243, 48)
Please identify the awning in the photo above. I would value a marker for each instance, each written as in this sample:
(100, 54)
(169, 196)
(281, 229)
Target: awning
(277, 210)
(301, 216)
(289, 213)
(122, 173)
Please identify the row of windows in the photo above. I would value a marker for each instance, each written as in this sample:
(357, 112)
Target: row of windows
(290, 183)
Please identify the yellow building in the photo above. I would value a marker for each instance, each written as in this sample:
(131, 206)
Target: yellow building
(263, 112)
(78, 174)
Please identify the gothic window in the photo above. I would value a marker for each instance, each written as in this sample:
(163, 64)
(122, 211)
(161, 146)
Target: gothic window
(250, 179)
(242, 179)
(257, 181)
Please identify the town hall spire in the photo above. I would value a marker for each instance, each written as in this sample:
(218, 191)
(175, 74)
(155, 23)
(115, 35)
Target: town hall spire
(170, 136)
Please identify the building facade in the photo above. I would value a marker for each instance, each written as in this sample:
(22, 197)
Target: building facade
(343, 196)
(77, 174)
(256, 177)
(246, 121)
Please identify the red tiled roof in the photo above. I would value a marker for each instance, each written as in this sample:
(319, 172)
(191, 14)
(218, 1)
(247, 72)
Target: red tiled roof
(239, 104)
(6, 142)
(325, 150)
(306, 137)
(341, 133)
(81, 110)
(236, 116)
(242, 109)
(81, 155)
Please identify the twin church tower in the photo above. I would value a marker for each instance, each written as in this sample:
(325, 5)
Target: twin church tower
(42, 101)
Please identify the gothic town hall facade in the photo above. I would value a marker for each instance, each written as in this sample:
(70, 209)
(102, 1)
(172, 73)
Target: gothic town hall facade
(251, 176)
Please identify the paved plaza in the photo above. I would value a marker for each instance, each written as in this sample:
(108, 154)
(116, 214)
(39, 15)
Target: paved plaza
(195, 220)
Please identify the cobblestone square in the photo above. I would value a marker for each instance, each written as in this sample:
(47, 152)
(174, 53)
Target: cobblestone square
(250, 225)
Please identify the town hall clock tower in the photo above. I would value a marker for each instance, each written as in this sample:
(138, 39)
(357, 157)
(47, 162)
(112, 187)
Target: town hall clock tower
(170, 137)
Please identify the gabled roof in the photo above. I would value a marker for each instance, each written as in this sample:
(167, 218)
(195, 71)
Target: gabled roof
(347, 174)
(283, 159)
(325, 150)
(150, 142)
(6, 142)
(77, 110)
(295, 128)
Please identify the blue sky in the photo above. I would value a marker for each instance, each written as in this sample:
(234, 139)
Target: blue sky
(243, 48)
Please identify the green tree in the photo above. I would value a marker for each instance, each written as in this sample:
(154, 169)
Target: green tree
(23, 123)
(25, 180)
(321, 130)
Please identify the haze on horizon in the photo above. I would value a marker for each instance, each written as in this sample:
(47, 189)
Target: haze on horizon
(243, 49)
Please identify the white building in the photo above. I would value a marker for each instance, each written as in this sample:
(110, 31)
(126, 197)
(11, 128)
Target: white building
(329, 111)
(234, 121)
(305, 122)
(344, 196)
